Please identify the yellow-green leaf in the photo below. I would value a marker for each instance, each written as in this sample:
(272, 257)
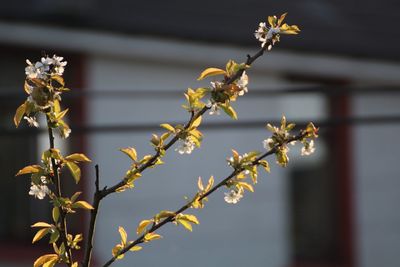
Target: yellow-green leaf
(19, 114)
(196, 122)
(82, 205)
(168, 127)
(190, 218)
(124, 235)
(210, 72)
(116, 250)
(246, 186)
(41, 224)
(142, 225)
(40, 234)
(58, 79)
(56, 214)
(186, 224)
(44, 259)
(75, 170)
(61, 114)
(29, 169)
(51, 263)
(136, 248)
(131, 152)
(151, 236)
(210, 183)
(229, 111)
(200, 184)
(77, 157)
(280, 20)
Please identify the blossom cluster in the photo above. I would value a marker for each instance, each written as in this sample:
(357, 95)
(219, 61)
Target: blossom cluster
(271, 34)
(45, 68)
(44, 85)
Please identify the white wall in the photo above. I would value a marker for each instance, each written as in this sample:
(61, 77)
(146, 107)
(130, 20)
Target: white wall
(377, 182)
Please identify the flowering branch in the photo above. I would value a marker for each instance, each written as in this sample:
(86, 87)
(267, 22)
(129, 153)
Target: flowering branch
(194, 115)
(57, 183)
(197, 201)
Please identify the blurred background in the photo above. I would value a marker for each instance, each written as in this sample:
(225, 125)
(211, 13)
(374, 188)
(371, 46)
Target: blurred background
(129, 63)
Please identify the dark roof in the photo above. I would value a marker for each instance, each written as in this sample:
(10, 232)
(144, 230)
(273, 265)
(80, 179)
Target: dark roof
(350, 27)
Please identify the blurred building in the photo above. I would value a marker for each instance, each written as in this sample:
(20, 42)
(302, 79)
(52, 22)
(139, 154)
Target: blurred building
(128, 66)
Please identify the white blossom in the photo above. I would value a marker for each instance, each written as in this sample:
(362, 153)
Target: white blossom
(43, 179)
(45, 67)
(64, 132)
(233, 196)
(265, 34)
(36, 71)
(308, 148)
(214, 110)
(268, 143)
(186, 146)
(32, 121)
(59, 65)
(242, 83)
(38, 191)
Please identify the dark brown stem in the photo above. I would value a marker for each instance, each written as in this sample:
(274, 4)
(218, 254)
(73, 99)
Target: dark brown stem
(92, 225)
(57, 183)
(155, 227)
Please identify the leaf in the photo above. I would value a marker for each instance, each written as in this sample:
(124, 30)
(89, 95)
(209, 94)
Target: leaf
(246, 186)
(75, 264)
(168, 127)
(200, 184)
(210, 183)
(142, 226)
(77, 157)
(280, 20)
(41, 224)
(54, 236)
(29, 169)
(186, 224)
(19, 113)
(229, 111)
(75, 170)
(131, 152)
(61, 114)
(196, 122)
(44, 259)
(265, 165)
(272, 21)
(165, 214)
(40, 234)
(51, 263)
(82, 205)
(75, 196)
(56, 214)
(190, 218)
(116, 250)
(124, 235)
(151, 236)
(136, 248)
(58, 79)
(132, 175)
(210, 72)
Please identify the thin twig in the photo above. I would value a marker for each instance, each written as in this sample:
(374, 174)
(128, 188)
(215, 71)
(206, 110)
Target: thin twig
(57, 183)
(224, 182)
(93, 217)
